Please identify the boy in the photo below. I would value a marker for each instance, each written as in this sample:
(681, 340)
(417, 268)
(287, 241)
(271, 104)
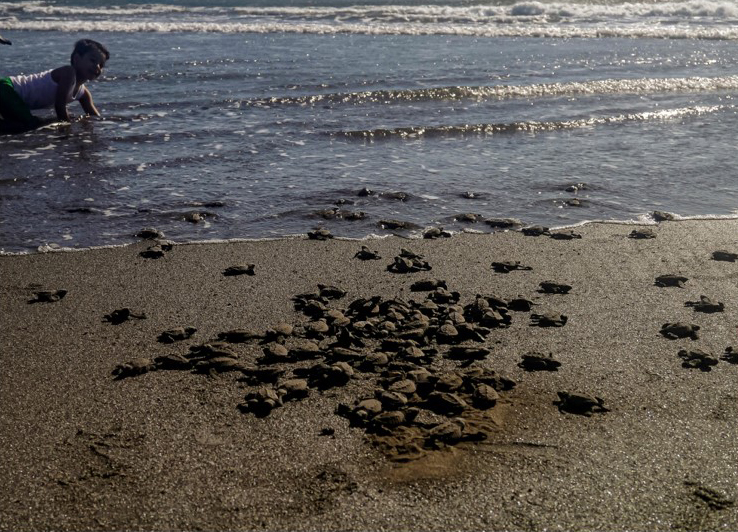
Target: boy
(19, 95)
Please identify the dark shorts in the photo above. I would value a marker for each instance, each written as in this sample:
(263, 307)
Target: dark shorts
(12, 108)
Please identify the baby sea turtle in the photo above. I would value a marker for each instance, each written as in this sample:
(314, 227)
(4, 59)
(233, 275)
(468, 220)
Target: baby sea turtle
(124, 314)
(48, 296)
(212, 350)
(730, 355)
(550, 287)
(468, 353)
(261, 401)
(176, 335)
(576, 187)
(395, 224)
(150, 233)
(705, 304)
(366, 409)
(539, 362)
(448, 404)
(219, 365)
(239, 269)
(670, 280)
(448, 432)
(697, 359)
(239, 336)
(407, 265)
(137, 366)
(645, 232)
(484, 396)
(672, 331)
(274, 354)
(194, 217)
(721, 254)
(331, 292)
(507, 267)
(278, 333)
(535, 230)
(565, 235)
(582, 404)
(367, 254)
(468, 217)
(436, 232)
(293, 389)
(549, 319)
(157, 250)
(662, 216)
(320, 234)
(173, 362)
(503, 223)
(397, 195)
(409, 254)
(427, 285)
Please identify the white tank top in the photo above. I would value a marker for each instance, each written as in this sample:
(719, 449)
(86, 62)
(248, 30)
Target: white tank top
(38, 91)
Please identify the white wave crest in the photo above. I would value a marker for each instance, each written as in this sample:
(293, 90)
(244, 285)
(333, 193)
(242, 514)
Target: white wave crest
(686, 19)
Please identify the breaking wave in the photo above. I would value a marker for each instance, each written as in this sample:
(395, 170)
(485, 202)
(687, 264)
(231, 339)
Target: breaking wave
(607, 86)
(529, 126)
(686, 19)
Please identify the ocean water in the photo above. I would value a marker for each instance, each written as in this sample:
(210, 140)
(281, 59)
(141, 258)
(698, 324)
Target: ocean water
(267, 118)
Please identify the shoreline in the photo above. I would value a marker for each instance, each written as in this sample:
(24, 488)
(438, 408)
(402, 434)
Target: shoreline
(646, 219)
(171, 449)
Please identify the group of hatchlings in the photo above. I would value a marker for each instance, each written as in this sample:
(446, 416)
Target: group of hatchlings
(410, 335)
(696, 358)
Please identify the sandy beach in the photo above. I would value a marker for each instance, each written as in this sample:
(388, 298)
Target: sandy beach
(470, 436)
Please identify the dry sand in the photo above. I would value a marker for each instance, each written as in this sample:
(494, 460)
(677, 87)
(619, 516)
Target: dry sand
(171, 450)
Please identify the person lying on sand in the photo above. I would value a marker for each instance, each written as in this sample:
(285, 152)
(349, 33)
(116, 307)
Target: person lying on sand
(19, 95)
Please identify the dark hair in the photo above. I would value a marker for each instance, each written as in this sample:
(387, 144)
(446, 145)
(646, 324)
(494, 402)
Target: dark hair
(83, 46)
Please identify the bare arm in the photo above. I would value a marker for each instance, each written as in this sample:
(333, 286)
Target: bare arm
(87, 104)
(65, 79)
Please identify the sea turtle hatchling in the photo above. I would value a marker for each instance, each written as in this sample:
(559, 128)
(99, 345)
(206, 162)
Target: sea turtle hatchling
(157, 250)
(539, 362)
(565, 235)
(723, 255)
(176, 335)
(407, 265)
(579, 403)
(261, 401)
(643, 233)
(672, 331)
(549, 319)
(48, 296)
(150, 233)
(428, 285)
(367, 254)
(239, 336)
(331, 292)
(409, 254)
(535, 230)
(705, 304)
(730, 355)
(124, 314)
(507, 267)
(436, 232)
(136, 366)
(239, 269)
(697, 359)
(550, 287)
(319, 234)
(670, 280)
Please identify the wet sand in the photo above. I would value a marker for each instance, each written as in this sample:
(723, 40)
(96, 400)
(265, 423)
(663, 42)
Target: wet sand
(173, 450)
